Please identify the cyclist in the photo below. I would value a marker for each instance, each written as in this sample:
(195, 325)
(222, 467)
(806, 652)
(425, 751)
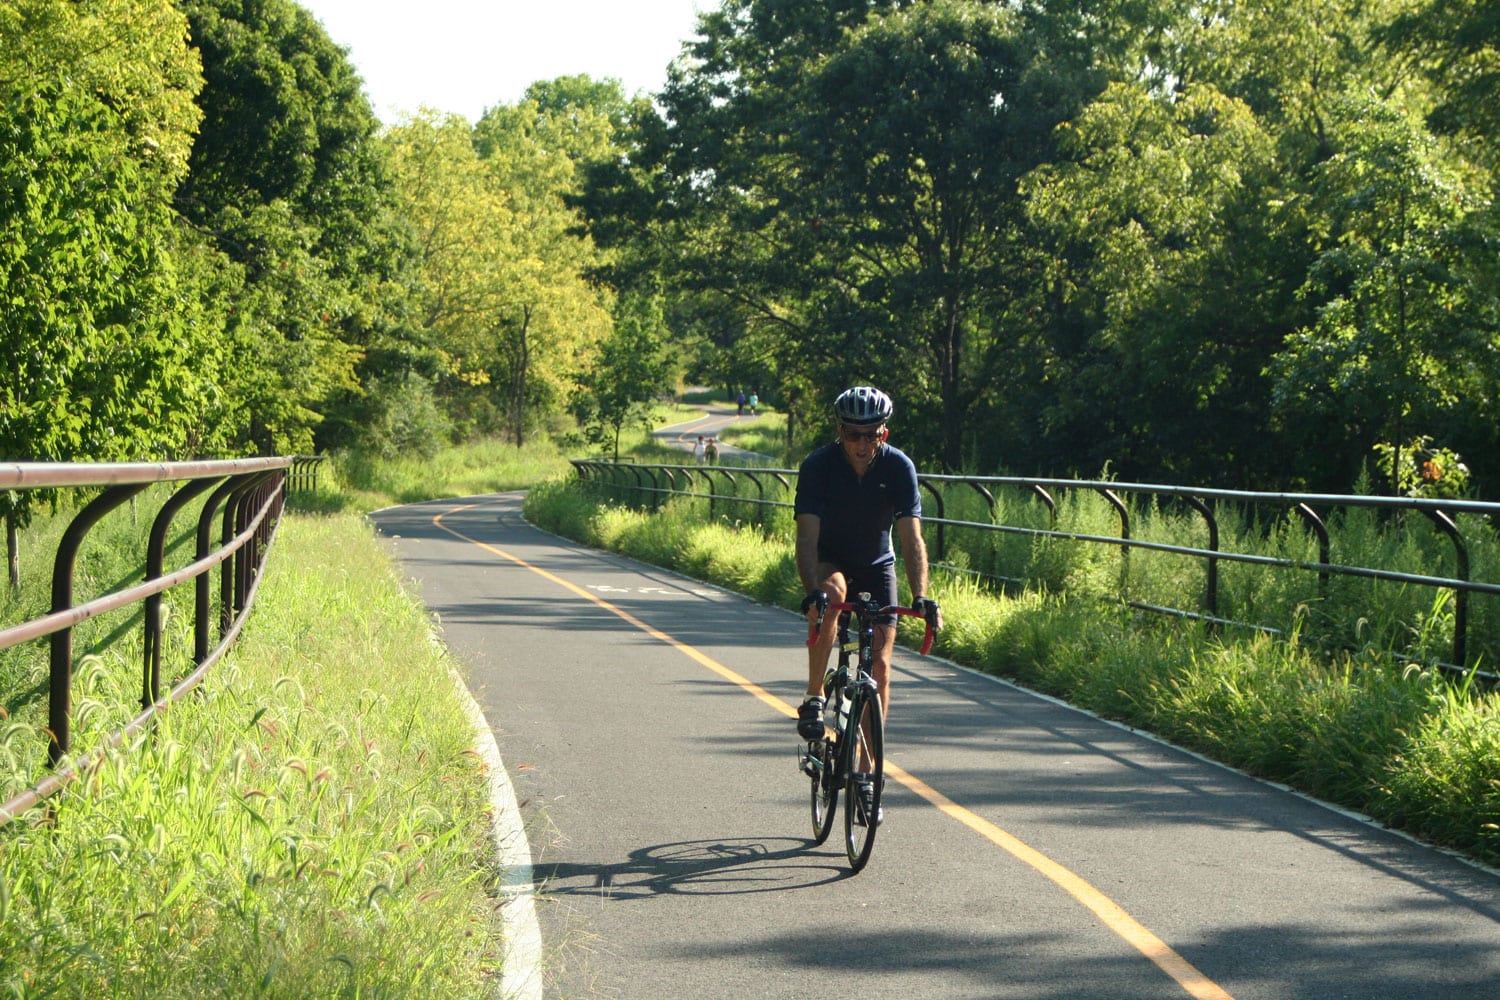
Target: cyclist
(849, 494)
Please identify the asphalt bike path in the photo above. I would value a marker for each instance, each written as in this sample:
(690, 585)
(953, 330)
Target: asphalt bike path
(1029, 850)
(715, 420)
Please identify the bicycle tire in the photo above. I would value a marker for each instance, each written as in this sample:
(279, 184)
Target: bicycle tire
(825, 785)
(865, 732)
(825, 789)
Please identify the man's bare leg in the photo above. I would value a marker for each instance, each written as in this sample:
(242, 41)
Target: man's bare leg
(833, 584)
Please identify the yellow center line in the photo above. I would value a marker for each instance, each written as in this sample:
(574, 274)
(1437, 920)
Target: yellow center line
(1107, 910)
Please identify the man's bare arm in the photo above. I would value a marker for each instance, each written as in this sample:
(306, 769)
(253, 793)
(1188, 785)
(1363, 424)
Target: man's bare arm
(913, 554)
(808, 528)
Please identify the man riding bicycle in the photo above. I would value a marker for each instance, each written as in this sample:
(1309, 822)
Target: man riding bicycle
(849, 494)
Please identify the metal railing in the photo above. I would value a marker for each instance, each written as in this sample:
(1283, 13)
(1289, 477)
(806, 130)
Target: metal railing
(244, 497)
(649, 485)
(302, 477)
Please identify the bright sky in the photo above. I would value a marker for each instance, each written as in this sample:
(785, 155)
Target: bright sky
(466, 55)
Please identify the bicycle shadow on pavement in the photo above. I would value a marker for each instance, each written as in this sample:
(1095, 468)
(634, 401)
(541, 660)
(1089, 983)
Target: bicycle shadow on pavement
(699, 868)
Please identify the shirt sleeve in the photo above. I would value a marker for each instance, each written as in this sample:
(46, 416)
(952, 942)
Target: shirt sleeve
(811, 489)
(908, 495)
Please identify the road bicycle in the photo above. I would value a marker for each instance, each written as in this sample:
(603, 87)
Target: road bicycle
(851, 750)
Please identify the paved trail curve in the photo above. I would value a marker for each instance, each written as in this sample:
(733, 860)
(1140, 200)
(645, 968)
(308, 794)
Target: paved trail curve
(1029, 851)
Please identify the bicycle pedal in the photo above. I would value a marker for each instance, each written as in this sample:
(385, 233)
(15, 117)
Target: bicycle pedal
(810, 765)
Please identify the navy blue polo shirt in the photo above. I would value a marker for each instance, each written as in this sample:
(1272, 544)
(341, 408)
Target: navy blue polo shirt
(856, 514)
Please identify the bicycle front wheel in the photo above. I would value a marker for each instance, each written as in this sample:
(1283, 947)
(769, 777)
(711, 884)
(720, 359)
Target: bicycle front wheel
(865, 738)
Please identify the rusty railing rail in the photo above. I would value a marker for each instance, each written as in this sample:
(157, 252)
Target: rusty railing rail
(643, 487)
(246, 502)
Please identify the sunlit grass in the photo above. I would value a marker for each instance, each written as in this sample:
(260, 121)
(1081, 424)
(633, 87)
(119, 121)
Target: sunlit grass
(311, 825)
(364, 482)
(763, 435)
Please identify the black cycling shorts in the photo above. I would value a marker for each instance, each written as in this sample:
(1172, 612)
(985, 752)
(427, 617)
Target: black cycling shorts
(878, 581)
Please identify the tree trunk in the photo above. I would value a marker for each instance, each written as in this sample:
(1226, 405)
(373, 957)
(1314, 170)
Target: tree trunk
(949, 358)
(518, 387)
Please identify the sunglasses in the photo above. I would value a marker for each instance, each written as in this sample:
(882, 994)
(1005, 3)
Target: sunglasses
(874, 435)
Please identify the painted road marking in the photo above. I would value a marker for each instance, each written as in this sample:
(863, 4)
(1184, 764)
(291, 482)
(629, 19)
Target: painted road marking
(605, 588)
(1110, 913)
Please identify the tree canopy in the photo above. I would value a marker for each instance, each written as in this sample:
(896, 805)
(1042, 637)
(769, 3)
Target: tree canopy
(1242, 244)
(1218, 243)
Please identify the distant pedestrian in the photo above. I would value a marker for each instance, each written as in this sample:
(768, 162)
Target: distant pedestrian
(711, 451)
(754, 402)
(700, 450)
(740, 403)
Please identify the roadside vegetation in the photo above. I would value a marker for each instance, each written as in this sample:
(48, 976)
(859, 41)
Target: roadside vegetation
(311, 822)
(1404, 744)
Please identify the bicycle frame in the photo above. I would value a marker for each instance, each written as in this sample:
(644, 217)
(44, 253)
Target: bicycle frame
(851, 751)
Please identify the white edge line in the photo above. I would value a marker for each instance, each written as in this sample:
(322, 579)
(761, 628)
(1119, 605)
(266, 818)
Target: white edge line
(521, 976)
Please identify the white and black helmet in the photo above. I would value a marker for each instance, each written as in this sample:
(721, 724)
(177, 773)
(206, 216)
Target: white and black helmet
(863, 406)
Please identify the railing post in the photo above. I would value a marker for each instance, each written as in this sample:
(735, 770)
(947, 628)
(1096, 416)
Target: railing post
(654, 500)
(1460, 596)
(1119, 506)
(202, 583)
(989, 498)
(238, 569)
(60, 677)
(1211, 585)
(1325, 551)
(155, 557)
(635, 474)
(941, 537)
(1046, 498)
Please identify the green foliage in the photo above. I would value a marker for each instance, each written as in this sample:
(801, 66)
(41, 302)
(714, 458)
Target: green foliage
(1416, 469)
(290, 185)
(1399, 341)
(407, 420)
(108, 355)
(1456, 43)
(371, 479)
(1202, 244)
(632, 369)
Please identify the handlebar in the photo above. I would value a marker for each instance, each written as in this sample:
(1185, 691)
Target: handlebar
(838, 607)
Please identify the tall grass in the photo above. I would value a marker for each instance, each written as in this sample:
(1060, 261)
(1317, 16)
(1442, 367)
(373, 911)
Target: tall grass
(1401, 743)
(363, 481)
(312, 825)
(312, 822)
(765, 435)
(110, 645)
(1345, 612)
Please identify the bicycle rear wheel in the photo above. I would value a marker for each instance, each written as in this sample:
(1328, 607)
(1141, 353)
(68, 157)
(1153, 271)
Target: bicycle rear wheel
(825, 788)
(866, 762)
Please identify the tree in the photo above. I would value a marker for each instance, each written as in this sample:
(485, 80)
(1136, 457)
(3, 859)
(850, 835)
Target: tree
(1456, 44)
(548, 311)
(840, 177)
(501, 289)
(631, 369)
(287, 181)
(108, 355)
(1158, 206)
(1404, 336)
(460, 217)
